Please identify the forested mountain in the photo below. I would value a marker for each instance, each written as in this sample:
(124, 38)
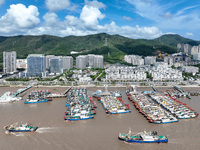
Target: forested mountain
(113, 47)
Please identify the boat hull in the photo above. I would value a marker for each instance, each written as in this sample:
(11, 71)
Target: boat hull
(140, 141)
(165, 122)
(118, 112)
(41, 101)
(31, 130)
(76, 119)
(141, 138)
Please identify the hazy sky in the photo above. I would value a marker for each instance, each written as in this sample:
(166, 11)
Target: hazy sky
(131, 18)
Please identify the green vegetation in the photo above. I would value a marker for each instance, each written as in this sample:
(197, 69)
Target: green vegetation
(173, 67)
(1, 66)
(143, 84)
(69, 75)
(95, 76)
(18, 79)
(101, 76)
(149, 75)
(50, 79)
(174, 39)
(181, 83)
(164, 84)
(189, 75)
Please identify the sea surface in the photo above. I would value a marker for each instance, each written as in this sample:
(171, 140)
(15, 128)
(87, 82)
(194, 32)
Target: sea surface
(100, 133)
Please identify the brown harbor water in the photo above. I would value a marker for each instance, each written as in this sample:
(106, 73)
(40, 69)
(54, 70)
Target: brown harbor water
(100, 133)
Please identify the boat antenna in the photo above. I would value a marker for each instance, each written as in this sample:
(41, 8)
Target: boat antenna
(129, 133)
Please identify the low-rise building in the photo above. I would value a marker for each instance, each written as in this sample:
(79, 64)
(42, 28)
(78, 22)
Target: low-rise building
(190, 69)
(125, 73)
(22, 63)
(149, 60)
(164, 72)
(196, 56)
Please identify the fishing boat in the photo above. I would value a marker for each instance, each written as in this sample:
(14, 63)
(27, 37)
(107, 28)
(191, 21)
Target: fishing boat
(79, 117)
(96, 94)
(37, 97)
(114, 105)
(37, 100)
(79, 105)
(117, 94)
(177, 108)
(21, 128)
(151, 110)
(188, 96)
(131, 89)
(143, 137)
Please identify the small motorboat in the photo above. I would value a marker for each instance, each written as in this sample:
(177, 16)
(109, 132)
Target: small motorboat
(21, 128)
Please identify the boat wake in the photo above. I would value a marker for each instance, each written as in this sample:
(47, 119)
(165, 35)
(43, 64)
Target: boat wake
(14, 133)
(18, 134)
(45, 129)
(130, 143)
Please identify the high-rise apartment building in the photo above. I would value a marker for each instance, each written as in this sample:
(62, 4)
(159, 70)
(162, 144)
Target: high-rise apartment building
(36, 65)
(67, 62)
(98, 61)
(93, 61)
(134, 59)
(48, 57)
(9, 62)
(81, 62)
(56, 65)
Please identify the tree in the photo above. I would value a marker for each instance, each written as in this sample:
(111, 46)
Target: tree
(173, 67)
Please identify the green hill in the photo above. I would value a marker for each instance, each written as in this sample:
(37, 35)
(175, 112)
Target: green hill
(113, 47)
(174, 39)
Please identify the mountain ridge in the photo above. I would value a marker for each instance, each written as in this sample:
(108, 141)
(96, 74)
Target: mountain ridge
(113, 47)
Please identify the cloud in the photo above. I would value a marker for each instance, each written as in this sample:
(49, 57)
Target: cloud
(189, 34)
(1, 2)
(19, 18)
(127, 18)
(74, 26)
(56, 5)
(51, 19)
(146, 8)
(182, 11)
(87, 23)
(132, 32)
(90, 16)
(161, 14)
(167, 15)
(95, 3)
(72, 21)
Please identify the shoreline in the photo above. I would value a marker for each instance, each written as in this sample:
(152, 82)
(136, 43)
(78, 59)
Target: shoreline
(120, 86)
